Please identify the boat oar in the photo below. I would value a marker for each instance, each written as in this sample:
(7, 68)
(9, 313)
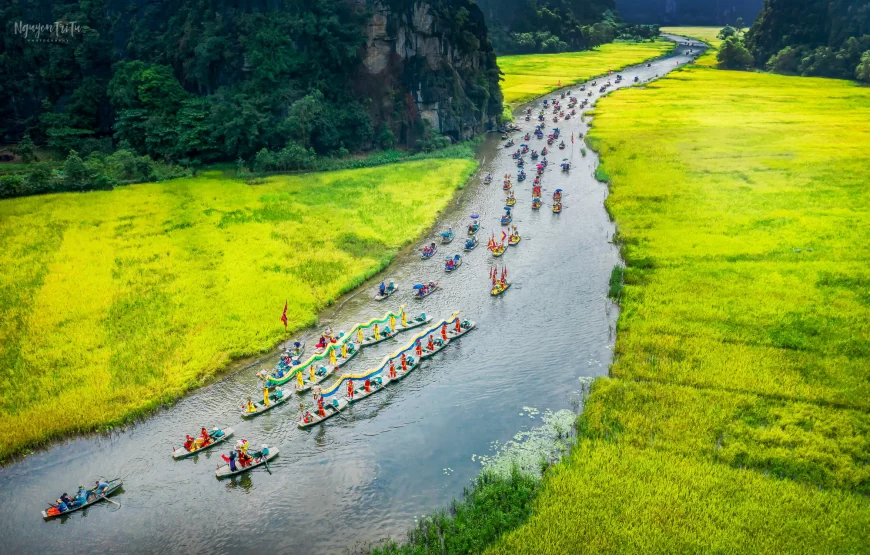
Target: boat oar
(266, 464)
(110, 501)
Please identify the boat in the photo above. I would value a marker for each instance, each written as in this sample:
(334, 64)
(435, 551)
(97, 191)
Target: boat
(428, 291)
(181, 452)
(499, 288)
(471, 243)
(412, 364)
(114, 485)
(425, 256)
(392, 288)
(487, 180)
(437, 344)
(506, 219)
(447, 236)
(507, 185)
(557, 195)
(464, 327)
(514, 239)
(375, 385)
(331, 409)
(498, 250)
(224, 470)
(473, 228)
(511, 200)
(536, 203)
(457, 262)
(260, 408)
(557, 207)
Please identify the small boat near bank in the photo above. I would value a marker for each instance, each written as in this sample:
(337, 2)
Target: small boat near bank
(277, 397)
(387, 292)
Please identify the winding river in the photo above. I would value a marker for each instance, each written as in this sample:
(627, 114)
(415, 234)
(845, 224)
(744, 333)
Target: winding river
(367, 474)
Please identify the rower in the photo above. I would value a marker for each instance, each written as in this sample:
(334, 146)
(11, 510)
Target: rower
(392, 369)
(457, 326)
(188, 444)
(404, 363)
(368, 386)
(382, 288)
(81, 497)
(320, 410)
(100, 486)
(350, 389)
(431, 344)
(418, 348)
(444, 331)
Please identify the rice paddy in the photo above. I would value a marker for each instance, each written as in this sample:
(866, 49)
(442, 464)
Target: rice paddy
(737, 414)
(532, 75)
(115, 302)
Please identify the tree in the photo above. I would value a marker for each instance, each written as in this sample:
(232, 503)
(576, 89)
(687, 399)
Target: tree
(75, 175)
(24, 149)
(862, 72)
(740, 25)
(727, 32)
(784, 61)
(733, 55)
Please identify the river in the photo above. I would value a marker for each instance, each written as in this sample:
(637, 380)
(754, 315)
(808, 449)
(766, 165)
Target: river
(367, 474)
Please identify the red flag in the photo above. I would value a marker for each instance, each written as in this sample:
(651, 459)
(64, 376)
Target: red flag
(284, 315)
(503, 235)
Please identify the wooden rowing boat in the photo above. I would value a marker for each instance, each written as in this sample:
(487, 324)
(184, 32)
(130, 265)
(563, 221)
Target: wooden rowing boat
(513, 240)
(375, 385)
(260, 408)
(431, 254)
(498, 251)
(224, 470)
(330, 409)
(457, 262)
(447, 237)
(412, 364)
(472, 245)
(92, 498)
(464, 327)
(387, 293)
(181, 452)
(438, 345)
(499, 289)
(428, 292)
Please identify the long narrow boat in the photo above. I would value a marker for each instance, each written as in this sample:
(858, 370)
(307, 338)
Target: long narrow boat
(499, 289)
(438, 345)
(464, 327)
(431, 254)
(114, 486)
(279, 397)
(375, 385)
(427, 293)
(224, 470)
(181, 452)
(331, 409)
(413, 364)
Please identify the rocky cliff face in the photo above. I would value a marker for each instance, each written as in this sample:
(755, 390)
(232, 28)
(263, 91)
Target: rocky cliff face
(430, 61)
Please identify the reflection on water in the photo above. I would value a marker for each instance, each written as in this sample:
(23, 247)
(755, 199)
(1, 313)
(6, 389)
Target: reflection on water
(366, 474)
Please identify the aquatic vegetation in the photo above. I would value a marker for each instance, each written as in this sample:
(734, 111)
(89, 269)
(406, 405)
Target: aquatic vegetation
(531, 451)
(115, 302)
(532, 75)
(736, 413)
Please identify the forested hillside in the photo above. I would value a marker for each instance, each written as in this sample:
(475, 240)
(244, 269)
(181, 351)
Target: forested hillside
(526, 26)
(689, 12)
(196, 82)
(827, 38)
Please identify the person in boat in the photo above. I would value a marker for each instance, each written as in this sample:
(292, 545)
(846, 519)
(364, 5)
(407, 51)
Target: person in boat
(431, 344)
(392, 369)
(231, 460)
(217, 433)
(307, 417)
(61, 506)
(188, 444)
(249, 406)
(382, 288)
(444, 331)
(404, 362)
(418, 348)
(320, 409)
(350, 389)
(66, 499)
(368, 385)
(100, 486)
(205, 435)
(450, 264)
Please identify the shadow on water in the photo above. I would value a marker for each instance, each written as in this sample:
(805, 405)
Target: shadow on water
(367, 474)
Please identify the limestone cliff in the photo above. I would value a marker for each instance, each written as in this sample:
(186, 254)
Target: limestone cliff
(430, 61)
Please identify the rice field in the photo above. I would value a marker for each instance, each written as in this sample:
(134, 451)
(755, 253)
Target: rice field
(532, 75)
(115, 302)
(737, 414)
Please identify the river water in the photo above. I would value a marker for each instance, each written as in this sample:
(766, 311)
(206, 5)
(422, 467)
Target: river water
(397, 455)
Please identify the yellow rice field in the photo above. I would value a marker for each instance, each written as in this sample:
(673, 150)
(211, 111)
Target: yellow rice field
(737, 415)
(115, 302)
(532, 75)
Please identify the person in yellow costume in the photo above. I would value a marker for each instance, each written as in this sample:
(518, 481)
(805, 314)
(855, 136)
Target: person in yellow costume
(359, 334)
(404, 319)
(250, 407)
(392, 322)
(377, 332)
(344, 350)
(332, 356)
(300, 381)
(311, 372)
(265, 395)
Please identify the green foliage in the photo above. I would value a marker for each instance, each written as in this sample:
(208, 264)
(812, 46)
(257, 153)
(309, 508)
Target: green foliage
(617, 277)
(492, 506)
(810, 37)
(733, 54)
(862, 72)
(727, 32)
(24, 149)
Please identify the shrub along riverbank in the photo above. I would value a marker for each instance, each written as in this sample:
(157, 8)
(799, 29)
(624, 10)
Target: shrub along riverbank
(530, 76)
(129, 298)
(736, 416)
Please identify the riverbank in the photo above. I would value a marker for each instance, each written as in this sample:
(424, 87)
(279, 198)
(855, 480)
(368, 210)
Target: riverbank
(118, 302)
(736, 413)
(532, 75)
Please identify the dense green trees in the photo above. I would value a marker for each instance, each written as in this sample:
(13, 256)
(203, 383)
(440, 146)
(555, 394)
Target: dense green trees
(828, 38)
(527, 26)
(192, 82)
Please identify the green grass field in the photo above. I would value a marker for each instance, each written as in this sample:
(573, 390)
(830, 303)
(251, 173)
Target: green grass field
(532, 75)
(737, 415)
(115, 302)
